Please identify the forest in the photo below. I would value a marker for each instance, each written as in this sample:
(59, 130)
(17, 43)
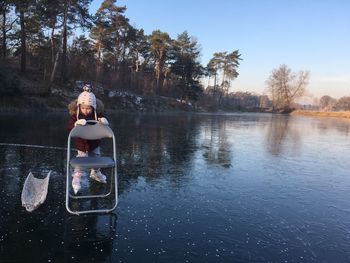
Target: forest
(48, 46)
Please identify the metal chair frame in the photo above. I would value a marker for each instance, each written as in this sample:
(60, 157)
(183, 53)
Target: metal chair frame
(93, 130)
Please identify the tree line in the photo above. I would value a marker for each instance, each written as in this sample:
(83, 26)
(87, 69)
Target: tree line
(285, 87)
(327, 103)
(58, 41)
(40, 38)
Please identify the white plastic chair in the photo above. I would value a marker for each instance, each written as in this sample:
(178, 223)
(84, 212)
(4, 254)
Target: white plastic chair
(93, 130)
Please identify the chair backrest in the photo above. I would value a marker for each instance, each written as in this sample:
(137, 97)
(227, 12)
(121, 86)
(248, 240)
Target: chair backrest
(92, 131)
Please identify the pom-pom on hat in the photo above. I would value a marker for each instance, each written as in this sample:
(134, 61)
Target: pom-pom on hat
(87, 97)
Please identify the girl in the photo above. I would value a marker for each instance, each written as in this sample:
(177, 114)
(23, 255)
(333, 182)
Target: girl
(86, 107)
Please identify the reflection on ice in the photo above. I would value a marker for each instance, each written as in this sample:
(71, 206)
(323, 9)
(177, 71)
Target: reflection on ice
(193, 187)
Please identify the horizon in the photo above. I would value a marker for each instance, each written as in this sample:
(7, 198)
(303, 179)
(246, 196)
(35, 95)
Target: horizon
(310, 35)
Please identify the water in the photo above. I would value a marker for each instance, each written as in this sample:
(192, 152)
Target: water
(192, 188)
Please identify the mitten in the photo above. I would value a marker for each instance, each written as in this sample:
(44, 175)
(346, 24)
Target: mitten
(80, 122)
(103, 121)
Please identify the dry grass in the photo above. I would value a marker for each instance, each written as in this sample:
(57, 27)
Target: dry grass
(339, 114)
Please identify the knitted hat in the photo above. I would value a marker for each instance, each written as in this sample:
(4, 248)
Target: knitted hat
(87, 97)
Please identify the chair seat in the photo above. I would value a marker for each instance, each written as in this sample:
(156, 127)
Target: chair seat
(92, 162)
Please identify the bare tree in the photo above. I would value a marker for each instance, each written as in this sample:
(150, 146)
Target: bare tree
(327, 103)
(264, 101)
(286, 86)
(343, 103)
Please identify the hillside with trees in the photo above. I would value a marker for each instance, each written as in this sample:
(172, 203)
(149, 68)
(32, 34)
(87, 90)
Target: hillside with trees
(49, 48)
(43, 57)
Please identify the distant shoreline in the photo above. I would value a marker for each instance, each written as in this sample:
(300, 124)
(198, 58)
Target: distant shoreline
(338, 114)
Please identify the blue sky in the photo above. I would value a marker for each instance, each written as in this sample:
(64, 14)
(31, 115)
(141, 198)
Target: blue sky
(303, 34)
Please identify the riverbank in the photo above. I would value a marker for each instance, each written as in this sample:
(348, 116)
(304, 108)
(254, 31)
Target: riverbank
(114, 101)
(338, 114)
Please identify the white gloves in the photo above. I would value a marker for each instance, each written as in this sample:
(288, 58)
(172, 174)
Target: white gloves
(83, 121)
(80, 122)
(103, 121)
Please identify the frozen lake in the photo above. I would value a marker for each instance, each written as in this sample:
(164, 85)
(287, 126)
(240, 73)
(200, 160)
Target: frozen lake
(192, 188)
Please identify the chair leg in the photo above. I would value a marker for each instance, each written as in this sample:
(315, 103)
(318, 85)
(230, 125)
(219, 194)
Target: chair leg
(96, 197)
